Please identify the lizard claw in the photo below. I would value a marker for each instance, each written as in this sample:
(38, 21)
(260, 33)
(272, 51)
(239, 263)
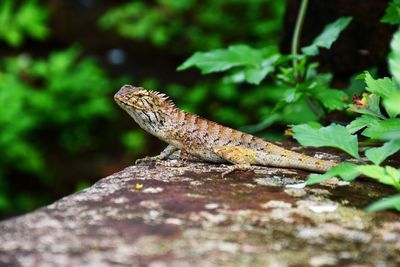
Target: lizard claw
(158, 161)
(237, 167)
(146, 159)
(173, 163)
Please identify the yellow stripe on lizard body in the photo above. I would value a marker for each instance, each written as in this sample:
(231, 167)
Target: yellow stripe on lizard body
(205, 139)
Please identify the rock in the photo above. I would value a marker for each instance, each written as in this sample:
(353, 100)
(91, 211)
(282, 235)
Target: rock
(155, 215)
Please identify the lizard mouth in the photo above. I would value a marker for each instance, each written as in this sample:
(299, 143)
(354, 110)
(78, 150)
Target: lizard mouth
(126, 105)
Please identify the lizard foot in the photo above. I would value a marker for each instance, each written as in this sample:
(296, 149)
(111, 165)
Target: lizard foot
(147, 159)
(236, 167)
(163, 155)
(171, 163)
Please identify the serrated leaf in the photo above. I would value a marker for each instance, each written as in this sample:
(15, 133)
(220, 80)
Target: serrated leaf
(392, 13)
(332, 99)
(347, 171)
(383, 129)
(387, 175)
(394, 57)
(360, 123)
(392, 202)
(224, 59)
(328, 36)
(382, 87)
(379, 154)
(331, 136)
(386, 88)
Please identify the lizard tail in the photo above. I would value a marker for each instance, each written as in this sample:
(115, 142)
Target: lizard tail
(312, 164)
(280, 157)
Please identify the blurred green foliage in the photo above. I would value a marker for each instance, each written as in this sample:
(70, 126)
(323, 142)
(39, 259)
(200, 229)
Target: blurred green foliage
(21, 19)
(392, 14)
(47, 100)
(134, 140)
(187, 25)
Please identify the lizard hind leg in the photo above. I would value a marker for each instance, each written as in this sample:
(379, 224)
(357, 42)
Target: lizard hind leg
(241, 157)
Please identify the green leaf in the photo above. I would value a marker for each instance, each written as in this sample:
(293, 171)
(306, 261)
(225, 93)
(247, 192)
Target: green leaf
(386, 88)
(328, 36)
(224, 59)
(379, 154)
(369, 105)
(383, 129)
(254, 74)
(387, 175)
(331, 136)
(392, 14)
(347, 171)
(332, 99)
(360, 123)
(392, 202)
(392, 104)
(394, 57)
(382, 87)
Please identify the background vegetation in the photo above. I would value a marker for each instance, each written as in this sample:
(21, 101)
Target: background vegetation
(61, 62)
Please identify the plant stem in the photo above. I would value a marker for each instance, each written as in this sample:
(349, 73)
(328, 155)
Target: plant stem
(295, 47)
(313, 106)
(297, 34)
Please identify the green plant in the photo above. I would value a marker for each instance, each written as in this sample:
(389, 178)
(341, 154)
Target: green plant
(392, 14)
(184, 25)
(55, 100)
(301, 85)
(379, 122)
(18, 20)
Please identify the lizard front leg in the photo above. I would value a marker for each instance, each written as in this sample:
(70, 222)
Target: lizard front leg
(183, 157)
(241, 157)
(163, 155)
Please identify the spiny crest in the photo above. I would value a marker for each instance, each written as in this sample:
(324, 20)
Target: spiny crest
(137, 97)
(161, 96)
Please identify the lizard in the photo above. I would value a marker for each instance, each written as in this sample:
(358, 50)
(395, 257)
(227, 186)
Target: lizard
(205, 139)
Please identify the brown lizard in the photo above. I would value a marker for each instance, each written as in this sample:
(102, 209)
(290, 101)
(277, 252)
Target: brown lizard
(205, 139)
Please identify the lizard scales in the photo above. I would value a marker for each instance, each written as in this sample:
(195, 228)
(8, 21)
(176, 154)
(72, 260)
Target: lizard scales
(205, 139)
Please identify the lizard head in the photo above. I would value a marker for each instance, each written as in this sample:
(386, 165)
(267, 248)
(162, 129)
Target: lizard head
(148, 108)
